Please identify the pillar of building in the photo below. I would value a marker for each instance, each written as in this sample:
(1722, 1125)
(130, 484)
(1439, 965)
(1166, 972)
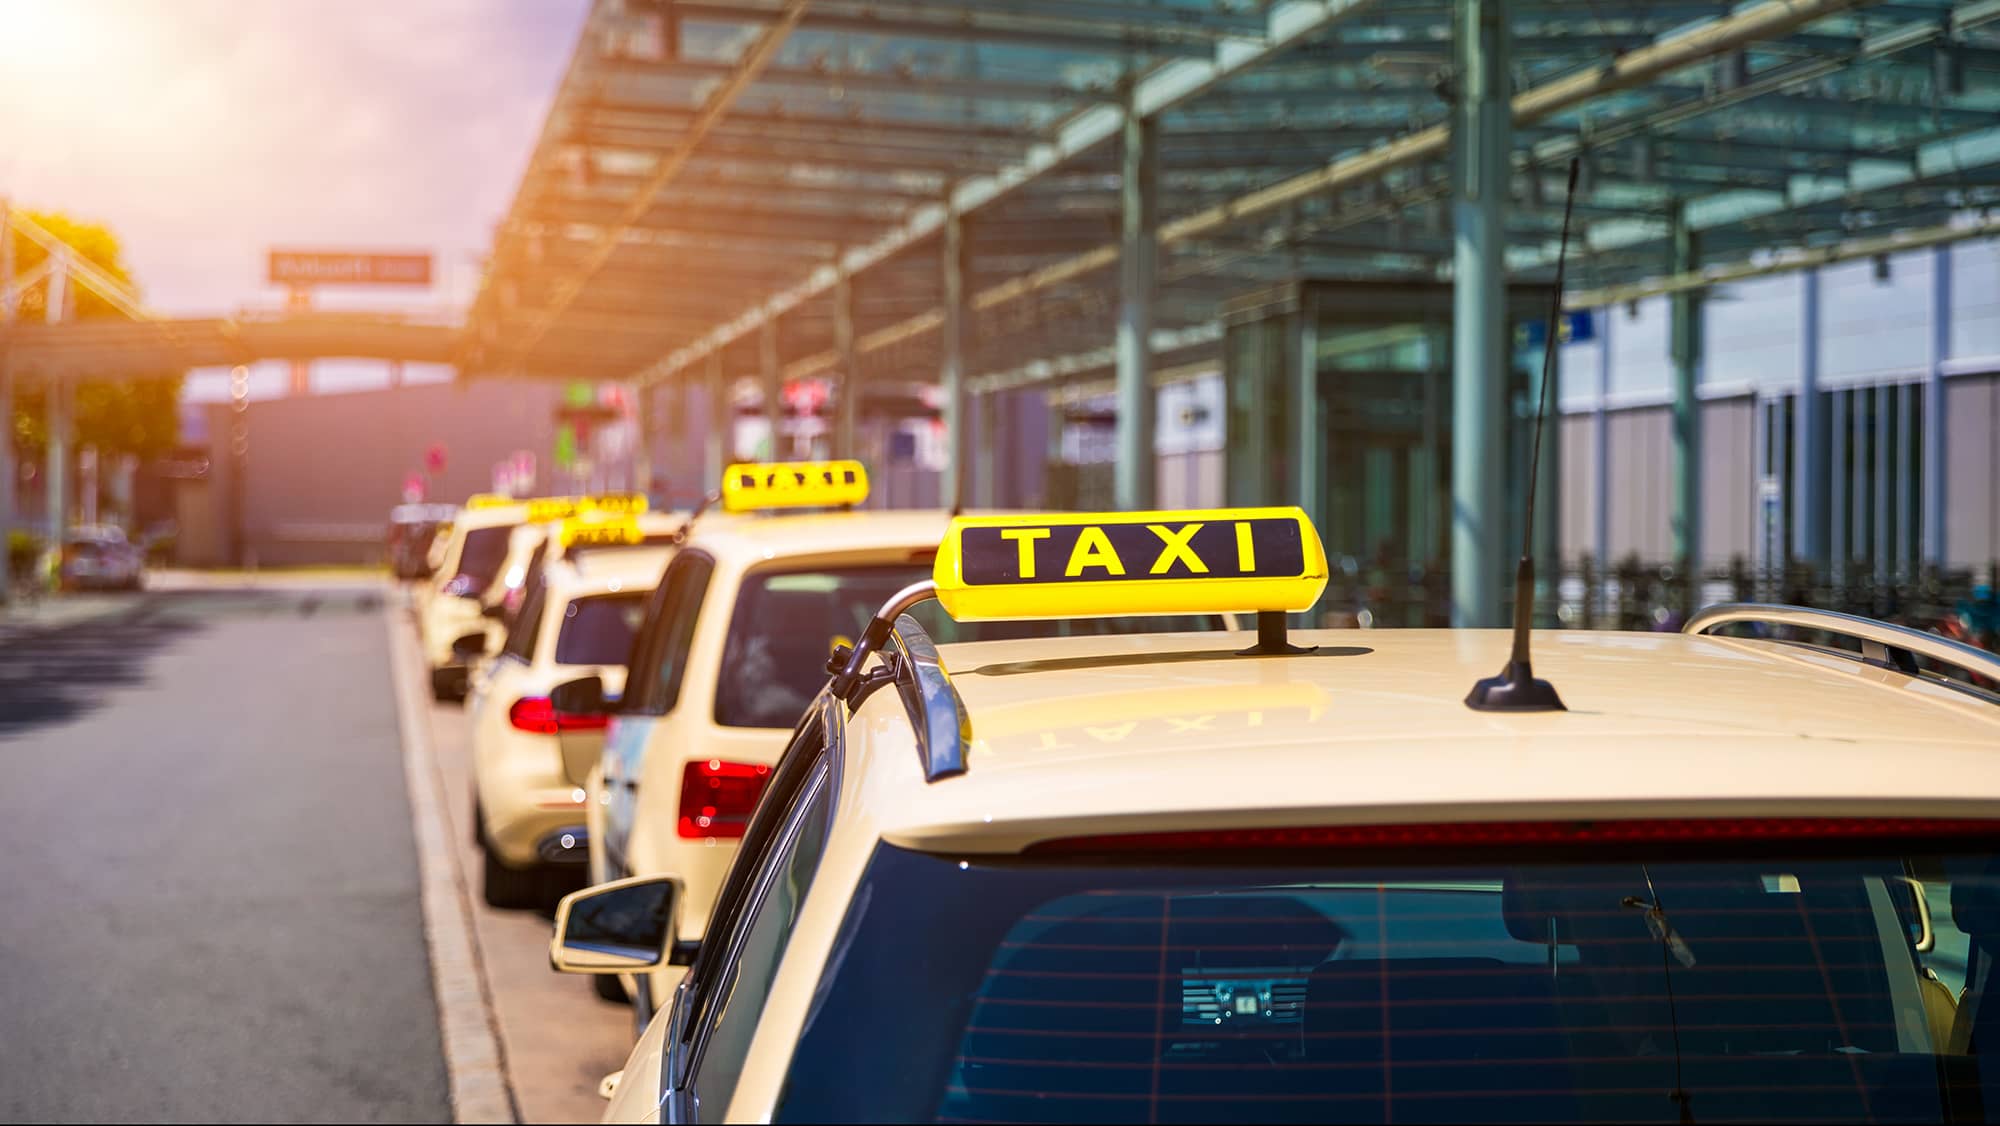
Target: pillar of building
(1136, 472)
(644, 426)
(771, 378)
(1685, 348)
(1600, 443)
(847, 397)
(8, 476)
(1481, 175)
(1932, 441)
(55, 473)
(953, 346)
(720, 440)
(1809, 436)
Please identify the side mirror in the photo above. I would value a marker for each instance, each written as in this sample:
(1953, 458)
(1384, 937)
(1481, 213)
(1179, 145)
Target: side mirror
(619, 927)
(470, 647)
(581, 697)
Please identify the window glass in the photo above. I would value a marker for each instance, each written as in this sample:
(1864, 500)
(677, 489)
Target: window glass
(1626, 985)
(484, 551)
(787, 622)
(669, 630)
(760, 946)
(521, 635)
(598, 629)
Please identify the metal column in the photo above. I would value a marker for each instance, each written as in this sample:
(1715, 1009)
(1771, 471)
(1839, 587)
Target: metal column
(643, 404)
(771, 378)
(1810, 466)
(954, 337)
(1885, 516)
(1685, 344)
(1309, 437)
(1481, 175)
(720, 440)
(847, 407)
(986, 449)
(1932, 442)
(1137, 468)
(1837, 438)
(9, 478)
(1600, 443)
(57, 470)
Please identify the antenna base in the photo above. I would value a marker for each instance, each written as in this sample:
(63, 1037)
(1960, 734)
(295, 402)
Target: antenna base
(1515, 689)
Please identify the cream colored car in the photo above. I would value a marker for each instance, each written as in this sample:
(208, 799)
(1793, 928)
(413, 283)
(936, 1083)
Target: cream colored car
(530, 762)
(452, 625)
(1166, 878)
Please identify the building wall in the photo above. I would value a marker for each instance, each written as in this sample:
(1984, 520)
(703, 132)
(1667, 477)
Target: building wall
(1578, 534)
(324, 470)
(1640, 445)
(1972, 492)
(1729, 479)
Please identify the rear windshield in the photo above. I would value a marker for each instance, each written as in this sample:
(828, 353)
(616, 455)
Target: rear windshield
(1613, 987)
(598, 629)
(484, 551)
(786, 623)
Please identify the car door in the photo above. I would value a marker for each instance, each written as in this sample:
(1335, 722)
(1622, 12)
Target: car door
(716, 1012)
(652, 687)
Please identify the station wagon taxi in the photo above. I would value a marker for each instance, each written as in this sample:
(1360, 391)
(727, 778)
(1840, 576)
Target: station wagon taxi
(530, 762)
(1171, 878)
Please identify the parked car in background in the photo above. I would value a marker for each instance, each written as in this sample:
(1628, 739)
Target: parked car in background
(99, 557)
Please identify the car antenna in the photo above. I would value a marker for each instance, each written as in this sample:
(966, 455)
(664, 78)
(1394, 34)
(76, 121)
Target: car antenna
(1515, 688)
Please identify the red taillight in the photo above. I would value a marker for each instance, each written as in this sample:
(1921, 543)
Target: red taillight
(537, 716)
(1718, 829)
(717, 797)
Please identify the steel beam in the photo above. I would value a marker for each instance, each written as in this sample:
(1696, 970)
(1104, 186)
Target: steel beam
(955, 339)
(1935, 538)
(719, 444)
(771, 380)
(1810, 465)
(1136, 468)
(847, 403)
(1685, 348)
(1481, 177)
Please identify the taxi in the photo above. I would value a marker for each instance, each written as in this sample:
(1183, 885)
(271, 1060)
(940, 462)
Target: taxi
(456, 624)
(1334, 875)
(529, 761)
(734, 648)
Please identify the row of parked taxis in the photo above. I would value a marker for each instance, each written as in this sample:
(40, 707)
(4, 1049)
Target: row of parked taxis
(922, 816)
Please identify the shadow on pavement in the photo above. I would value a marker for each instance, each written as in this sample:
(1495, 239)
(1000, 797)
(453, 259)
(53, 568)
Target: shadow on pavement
(53, 673)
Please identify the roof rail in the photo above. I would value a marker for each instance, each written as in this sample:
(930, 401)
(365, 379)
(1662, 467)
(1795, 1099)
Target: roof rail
(1882, 644)
(943, 728)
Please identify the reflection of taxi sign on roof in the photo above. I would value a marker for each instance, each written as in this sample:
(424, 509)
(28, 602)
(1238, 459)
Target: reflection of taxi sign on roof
(1102, 565)
(544, 509)
(589, 530)
(793, 484)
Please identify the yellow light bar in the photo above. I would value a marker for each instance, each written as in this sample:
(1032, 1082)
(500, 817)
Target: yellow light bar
(1114, 564)
(544, 509)
(590, 529)
(793, 484)
(489, 500)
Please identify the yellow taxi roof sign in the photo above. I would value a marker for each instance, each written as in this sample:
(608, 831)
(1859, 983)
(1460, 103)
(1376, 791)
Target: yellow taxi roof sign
(793, 484)
(544, 509)
(595, 529)
(1114, 564)
(489, 500)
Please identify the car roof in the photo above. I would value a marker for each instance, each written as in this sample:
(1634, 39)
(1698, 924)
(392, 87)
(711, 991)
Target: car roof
(1090, 735)
(745, 539)
(628, 565)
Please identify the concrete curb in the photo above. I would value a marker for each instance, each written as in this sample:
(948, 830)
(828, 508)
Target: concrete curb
(481, 1091)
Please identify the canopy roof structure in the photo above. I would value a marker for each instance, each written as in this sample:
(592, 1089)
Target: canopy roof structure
(710, 167)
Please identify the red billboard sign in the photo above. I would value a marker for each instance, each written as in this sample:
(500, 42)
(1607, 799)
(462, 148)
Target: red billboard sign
(340, 267)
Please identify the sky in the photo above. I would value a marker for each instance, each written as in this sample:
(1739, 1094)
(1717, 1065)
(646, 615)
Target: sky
(204, 132)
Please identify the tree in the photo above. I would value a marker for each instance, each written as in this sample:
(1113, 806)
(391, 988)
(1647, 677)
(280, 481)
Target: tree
(126, 415)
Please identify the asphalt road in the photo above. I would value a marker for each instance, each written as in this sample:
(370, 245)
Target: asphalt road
(210, 897)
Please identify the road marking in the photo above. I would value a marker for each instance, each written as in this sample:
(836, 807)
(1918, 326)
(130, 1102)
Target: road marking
(481, 1091)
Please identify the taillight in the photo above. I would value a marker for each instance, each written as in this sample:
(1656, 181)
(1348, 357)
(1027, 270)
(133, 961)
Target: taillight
(1718, 829)
(717, 797)
(537, 716)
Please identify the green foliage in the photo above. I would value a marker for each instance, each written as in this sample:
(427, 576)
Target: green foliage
(118, 416)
